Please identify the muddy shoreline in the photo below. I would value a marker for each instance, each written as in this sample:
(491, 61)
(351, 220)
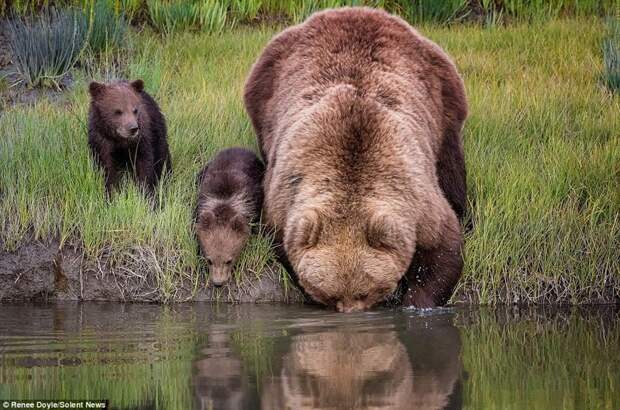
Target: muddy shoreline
(47, 272)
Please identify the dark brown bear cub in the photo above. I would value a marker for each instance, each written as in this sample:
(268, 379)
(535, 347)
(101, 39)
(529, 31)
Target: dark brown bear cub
(126, 130)
(230, 198)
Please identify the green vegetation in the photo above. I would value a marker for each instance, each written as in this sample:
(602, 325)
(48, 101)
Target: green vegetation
(197, 79)
(169, 17)
(542, 153)
(45, 50)
(541, 143)
(547, 360)
(107, 30)
(611, 56)
(180, 14)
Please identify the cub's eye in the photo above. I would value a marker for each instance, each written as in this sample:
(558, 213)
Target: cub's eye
(117, 112)
(209, 261)
(135, 110)
(228, 262)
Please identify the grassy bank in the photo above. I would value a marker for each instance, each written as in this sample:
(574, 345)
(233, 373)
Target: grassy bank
(542, 145)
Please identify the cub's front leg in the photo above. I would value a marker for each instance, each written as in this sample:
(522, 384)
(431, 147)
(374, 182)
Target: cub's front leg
(144, 170)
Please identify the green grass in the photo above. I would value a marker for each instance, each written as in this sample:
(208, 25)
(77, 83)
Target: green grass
(542, 145)
(611, 56)
(182, 14)
(60, 194)
(542, 150)
(107, 30)
(44, 50)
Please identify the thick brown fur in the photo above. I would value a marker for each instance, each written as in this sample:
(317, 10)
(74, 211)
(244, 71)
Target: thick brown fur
(126, 130)
(359, 121)
(373, 369)
(230, 198)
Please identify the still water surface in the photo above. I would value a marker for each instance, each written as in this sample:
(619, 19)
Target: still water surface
(295, 357)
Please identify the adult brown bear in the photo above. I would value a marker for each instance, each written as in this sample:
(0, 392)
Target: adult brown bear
(359, 122)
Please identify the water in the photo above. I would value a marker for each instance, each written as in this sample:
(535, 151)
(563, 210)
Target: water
(278, 357)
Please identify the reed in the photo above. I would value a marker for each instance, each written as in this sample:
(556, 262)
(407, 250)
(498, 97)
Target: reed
(45, 48)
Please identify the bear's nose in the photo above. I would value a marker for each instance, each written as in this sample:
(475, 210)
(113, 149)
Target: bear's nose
(133, 130)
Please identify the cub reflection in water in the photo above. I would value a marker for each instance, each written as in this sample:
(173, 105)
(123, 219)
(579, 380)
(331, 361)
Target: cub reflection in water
(218, 381)
(370, 370)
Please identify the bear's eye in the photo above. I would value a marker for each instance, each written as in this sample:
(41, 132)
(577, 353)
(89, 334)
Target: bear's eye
(117, 112)
(135, 110)
(228, 262)
(209, 261)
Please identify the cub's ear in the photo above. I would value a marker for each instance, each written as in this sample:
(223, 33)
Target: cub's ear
(205, 219)
(138, 85)
(95, 89)
(383, 232)
(201, 175)
(305, 232)
(239, 225)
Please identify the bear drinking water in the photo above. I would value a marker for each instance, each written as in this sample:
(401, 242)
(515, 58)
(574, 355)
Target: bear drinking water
(230, 198)
(126, 130)
(359, 121)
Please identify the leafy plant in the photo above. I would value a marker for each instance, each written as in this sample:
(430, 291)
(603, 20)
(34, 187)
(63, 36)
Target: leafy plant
(246, 9)
(106, 28)
(45, 49)
(24, 7)
(531, 10)
(132, 9)
(492, 14)
(212, 15)
(171, 16)
(435, 11)
(611, 56)
(300, 10)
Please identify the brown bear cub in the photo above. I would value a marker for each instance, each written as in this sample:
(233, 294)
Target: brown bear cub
(230, 198)
(359, 121)
(127, 131)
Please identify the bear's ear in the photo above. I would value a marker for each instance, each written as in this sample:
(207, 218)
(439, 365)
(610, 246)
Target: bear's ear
(206, 219)
(382, 232)
(95, 89)
(138, 85)
(306, 231)
(201, 176)
(238, 224)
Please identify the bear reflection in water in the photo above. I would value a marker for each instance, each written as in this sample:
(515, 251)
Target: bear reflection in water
(419, 368)
(218, 380)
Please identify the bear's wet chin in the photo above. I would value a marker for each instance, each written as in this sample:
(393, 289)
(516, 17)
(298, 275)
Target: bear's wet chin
(350, 307)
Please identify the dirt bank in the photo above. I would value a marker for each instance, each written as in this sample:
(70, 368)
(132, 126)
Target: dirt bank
(44, 271)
